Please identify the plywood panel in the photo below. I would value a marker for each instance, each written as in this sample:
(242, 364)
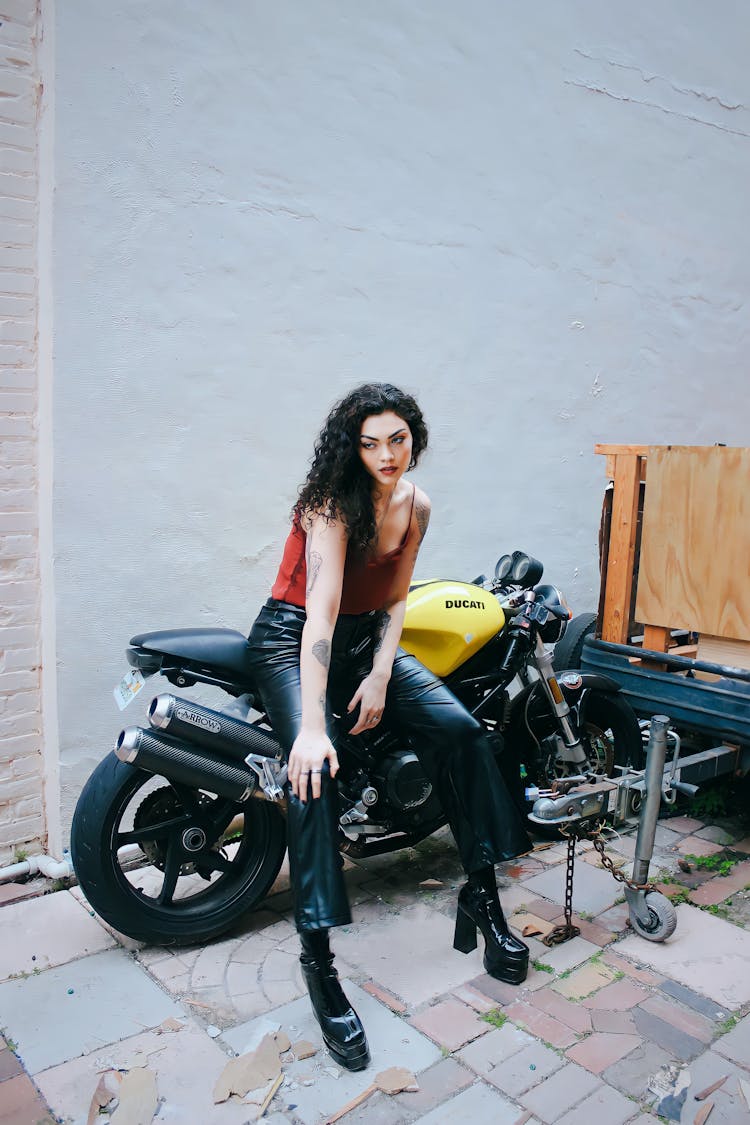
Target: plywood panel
(695, 550)
(719, 650)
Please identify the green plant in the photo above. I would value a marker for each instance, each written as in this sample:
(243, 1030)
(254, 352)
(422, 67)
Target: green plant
(719, 862)
(541, 967)
(728, 1024)
(20, 854)
(495, 1017)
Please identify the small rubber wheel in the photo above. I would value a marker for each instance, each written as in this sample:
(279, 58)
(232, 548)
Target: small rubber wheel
(569, 649)
(663, 918)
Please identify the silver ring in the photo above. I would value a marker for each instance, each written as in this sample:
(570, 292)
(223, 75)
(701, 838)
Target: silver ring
(316, 771)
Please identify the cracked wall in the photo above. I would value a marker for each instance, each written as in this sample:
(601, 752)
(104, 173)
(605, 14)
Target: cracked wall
(534, 216)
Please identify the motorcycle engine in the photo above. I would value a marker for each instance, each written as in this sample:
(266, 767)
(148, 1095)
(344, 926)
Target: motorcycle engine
(406, 786)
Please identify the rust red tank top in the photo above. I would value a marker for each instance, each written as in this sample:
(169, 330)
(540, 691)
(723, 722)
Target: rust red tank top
(368, 582)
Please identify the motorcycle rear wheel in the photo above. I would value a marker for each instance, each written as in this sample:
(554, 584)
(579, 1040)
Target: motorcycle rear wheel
(209, 860)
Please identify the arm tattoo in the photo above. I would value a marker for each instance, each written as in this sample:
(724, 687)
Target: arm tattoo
(383, 626)
(321, 650)
(322, 702)
(314, 563)
(422, 512)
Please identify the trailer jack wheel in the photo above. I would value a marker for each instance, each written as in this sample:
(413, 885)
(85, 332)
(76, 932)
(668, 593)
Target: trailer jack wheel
(652, 915)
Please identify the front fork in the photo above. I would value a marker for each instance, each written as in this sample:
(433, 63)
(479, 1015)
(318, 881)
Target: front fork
(572, 749)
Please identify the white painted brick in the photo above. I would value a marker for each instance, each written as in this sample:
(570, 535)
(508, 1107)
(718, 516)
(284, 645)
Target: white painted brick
(11, 726)
(25, 831)
(20, 11)
(16, 55)
(17, 747)
(17, 160)
(15, 402)
(29, 766)
(18, 450)
(19, 614)
(15, 284)
(31, 805)
(24, 187)
(18, 681)
(16, 232)
(21, 787)
(19, 703)
(18, 636)
(16, 306)
(18, 593)
(12, 208)
(18, 138)
(20, 108)
(16, 84)
(17, 521)
(14, 659)
(16, 475)
(16, 425)
(17, 379)
(18, 257)
(16, 331)
(19, 569)
(18, 499)
(16, 34)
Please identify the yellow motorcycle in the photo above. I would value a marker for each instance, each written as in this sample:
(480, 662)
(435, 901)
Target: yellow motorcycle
(181, 829)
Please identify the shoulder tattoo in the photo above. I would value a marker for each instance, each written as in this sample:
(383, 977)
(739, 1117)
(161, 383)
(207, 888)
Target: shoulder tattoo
(422, 512)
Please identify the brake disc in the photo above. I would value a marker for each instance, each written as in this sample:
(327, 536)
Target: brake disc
(156, 807)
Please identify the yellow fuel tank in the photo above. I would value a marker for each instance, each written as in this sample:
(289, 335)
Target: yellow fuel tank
(447, 622)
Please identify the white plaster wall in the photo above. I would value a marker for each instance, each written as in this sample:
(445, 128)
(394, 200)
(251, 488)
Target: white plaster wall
(532, 215)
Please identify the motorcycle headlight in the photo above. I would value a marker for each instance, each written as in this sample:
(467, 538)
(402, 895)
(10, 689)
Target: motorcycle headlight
(557, 622)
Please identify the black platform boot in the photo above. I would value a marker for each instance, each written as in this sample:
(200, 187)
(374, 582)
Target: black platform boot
(505, 957)
(342, 1029)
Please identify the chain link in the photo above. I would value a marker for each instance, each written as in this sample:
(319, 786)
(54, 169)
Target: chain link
(575, 832)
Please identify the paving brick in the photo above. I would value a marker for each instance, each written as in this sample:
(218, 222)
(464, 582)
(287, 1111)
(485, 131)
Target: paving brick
(635, 971)
(632, 1073)
(21, 1102)
(497, 990)
(562, 1090)
(616, 918)
(442, 1081)
(715, 834)
(742, 846)
(385, 997)
(693, 845)
(573, 1015)
(669, 1037)
(477, 1103)
(593, 932)
(476, 1000)
(483, 1055)
(690, 1022)
(541, 1024)
(584, 981)
(729, 1106)
(722, 886)
(605, 1104)
(618, 996)
(602, 1049)
(450, 1024)
(683, 824)
(550, 911)
(621, 1023)
(736, 1044)
(708, 1008)
(9, 1064)
(569, 954)
(524, 1070)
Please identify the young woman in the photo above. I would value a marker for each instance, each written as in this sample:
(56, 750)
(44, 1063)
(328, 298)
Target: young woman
(327, 641)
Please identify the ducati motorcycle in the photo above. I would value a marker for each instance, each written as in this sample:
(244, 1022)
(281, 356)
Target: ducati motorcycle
(181, 829)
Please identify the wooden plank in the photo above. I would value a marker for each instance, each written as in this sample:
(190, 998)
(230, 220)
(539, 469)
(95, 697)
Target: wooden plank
(722, 650)
(695, 551)
(617, 595)
(656, 638)
(635, 450)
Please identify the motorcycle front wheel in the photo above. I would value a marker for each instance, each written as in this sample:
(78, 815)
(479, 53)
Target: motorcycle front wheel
(166, 864)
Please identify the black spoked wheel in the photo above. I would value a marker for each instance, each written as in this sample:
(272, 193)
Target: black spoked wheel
(611, 733)
(167, 864)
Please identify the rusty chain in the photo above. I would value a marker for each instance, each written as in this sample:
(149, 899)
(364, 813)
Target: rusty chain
(573, 834)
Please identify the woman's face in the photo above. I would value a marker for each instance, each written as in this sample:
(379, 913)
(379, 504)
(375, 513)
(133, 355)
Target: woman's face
(385, 445)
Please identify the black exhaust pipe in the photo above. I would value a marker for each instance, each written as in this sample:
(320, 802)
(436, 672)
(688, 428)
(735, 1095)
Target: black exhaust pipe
(218, 733)
(158, 754)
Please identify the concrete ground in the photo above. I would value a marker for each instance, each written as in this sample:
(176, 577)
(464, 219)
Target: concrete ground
(607, 1025)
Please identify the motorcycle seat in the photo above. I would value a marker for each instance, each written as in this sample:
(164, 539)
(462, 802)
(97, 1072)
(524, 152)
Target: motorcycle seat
(223, 648)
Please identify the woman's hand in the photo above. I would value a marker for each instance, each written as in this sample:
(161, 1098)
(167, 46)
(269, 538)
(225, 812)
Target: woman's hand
(370, 695)
(306, 760)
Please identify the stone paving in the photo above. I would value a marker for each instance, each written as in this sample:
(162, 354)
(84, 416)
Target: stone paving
(607, 1026)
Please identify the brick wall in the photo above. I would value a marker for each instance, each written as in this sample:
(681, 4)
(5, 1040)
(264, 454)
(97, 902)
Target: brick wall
(22, 821)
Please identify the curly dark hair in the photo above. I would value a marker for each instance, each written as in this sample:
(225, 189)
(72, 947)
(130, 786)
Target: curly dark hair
(338, 483)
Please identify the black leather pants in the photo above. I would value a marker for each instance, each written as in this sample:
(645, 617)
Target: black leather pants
(449, 742)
